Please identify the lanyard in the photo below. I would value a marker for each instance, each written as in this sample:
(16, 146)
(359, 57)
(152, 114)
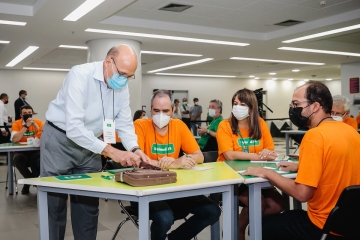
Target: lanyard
(167, 148)
(245, 147)
(102, 103)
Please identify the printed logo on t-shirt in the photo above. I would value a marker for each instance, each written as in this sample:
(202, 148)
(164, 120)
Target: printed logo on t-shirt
(248, 142)
(29, 134)
(162, 148)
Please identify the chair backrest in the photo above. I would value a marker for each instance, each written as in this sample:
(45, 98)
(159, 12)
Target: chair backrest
(210, 156)
(342, 219)
(211, 145)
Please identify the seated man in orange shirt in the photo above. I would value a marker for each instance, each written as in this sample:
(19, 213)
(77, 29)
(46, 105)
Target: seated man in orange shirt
(27, 130)
(161, 138)
(340, 111)
(328, 163)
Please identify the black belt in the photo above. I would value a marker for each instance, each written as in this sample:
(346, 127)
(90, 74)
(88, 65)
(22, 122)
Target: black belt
(56, 127)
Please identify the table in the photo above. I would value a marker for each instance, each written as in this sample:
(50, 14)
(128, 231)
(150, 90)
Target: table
(255, 186)
(220, 179)
(276, 126)
(287, 133)
(10, 148)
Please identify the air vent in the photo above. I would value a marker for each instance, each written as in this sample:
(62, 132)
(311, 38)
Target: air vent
(288, 23)
(173, 7)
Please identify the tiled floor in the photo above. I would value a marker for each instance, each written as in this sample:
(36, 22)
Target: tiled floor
(19, 219)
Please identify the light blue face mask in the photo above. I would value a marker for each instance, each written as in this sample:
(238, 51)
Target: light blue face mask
(117, 81)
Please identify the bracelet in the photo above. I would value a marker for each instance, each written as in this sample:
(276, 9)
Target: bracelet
(208, 131)
(135, 149)
(25, 126)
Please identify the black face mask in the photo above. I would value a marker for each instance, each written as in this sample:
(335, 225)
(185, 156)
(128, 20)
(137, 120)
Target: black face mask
(6, 102)
(297, 119)
(26, 116)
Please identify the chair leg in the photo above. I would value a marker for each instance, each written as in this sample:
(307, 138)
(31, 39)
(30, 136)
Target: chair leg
(16, 186)
(185, 219)
(119, 226)
(7, 179)
(128, 214)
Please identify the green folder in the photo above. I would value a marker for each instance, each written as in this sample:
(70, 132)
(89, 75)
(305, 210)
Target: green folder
(73, 177)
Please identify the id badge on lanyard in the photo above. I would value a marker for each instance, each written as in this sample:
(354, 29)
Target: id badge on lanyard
(109, 131)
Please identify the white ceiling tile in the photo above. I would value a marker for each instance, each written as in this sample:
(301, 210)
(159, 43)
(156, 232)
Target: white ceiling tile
(316, 4)
(205, 11)
(289, 1)
(20, 2)
(239, 16)
(232, 4)
(264, 7)
(146, 4)
(291, 12)
(131, 12)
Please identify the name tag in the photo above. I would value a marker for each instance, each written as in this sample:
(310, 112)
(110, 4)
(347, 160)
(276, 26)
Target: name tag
(109, 131)
(30, 141)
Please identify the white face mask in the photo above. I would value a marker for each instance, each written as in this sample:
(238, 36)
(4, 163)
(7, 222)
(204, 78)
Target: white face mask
(240, 112)
(161, 120)
(337, 118)
(144, 117)
(212, 112)
(184, 102)
(197, 103)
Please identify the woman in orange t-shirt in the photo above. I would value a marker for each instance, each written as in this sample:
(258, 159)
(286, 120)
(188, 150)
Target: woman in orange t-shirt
(245, 136)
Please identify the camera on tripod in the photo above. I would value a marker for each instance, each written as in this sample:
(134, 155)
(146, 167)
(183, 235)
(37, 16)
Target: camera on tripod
(259, 97)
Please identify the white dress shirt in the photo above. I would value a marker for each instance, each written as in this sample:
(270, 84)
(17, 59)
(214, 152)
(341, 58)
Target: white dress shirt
(3, 115)
(78, 109)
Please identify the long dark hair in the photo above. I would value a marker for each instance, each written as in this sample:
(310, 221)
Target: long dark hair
(248, 97)
(138, 114)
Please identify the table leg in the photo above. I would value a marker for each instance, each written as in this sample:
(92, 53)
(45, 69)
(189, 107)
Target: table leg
(215, 231)
(229, 215)
(10, 174)
(255, 211)
(43, 214)
(144, 228)
(287, 143)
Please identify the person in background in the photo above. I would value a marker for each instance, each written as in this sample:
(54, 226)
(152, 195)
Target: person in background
(94, 98)
(176, 110)
(139, 114)
(27, 130)
(328, 163)
(358, 120)
(245, 136)
(185, 112)
(195, 116)
(19, 103)
(340, 111)
(161, 138)
(215, 111)
(4, 119)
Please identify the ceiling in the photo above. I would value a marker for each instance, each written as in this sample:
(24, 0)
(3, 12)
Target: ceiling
(246, 21)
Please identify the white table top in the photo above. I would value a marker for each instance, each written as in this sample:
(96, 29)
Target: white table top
(294, 131)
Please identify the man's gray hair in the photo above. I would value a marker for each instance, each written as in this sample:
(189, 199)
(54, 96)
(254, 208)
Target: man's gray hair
(161, 93)
(339, 100)
(219, 104)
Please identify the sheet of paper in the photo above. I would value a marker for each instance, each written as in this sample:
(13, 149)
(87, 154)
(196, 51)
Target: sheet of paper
(197, 168)
(274, 161)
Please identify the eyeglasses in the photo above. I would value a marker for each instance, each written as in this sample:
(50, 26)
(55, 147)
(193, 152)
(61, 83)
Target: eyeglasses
(295, 104)
(337, 114)
(129, 78)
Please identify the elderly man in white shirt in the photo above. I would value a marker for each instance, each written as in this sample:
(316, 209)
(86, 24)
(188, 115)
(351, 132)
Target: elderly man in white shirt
(4, 99)
(94, 97)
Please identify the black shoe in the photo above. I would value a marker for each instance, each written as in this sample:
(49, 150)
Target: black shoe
(25, 189)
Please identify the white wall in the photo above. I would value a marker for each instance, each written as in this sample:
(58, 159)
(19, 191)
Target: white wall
(349, 70)
(43, 86)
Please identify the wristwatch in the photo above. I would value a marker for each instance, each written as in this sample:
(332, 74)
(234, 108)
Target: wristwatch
(135, 149)
(25, 126)
(208, 131)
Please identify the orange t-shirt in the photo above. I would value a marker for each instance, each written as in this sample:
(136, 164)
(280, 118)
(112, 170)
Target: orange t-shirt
(227, 141)
(157, 146)
(31, 132)
(328, 161)
(352, 122)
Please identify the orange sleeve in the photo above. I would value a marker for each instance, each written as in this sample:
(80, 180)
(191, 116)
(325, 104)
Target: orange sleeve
(140, 133)
(190, 145)
(17, 126)
(311, 159)
(352, 122)
(224, 137)
(266, 135)
(41, 125)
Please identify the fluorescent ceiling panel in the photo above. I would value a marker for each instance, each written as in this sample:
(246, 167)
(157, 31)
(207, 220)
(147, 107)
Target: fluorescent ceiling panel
(83, 9)
(4, 42)
(47, 69)
(184, 39)
(71, 46)
(339, 30)
(195, 75)
(22, 55)
(295, 70)
(171, 54)
(181, 65)
(278, 61)
(12, 23)
(319, 51)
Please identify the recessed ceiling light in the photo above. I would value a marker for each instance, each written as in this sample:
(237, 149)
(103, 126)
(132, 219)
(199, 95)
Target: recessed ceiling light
(71, 46)
(12, 23)
(83, 9)
(4, 42)
(47, 69)
(272, 73)
(256, 78)
(290, 79)
(328, 79)
(295, 70)
(323, 34)
(22, 55)
(319, 51)
(171, 54)
(185, 39)
(181, 65)
(195, 75)
(278, 61)
(274, 79)
(251, 76)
